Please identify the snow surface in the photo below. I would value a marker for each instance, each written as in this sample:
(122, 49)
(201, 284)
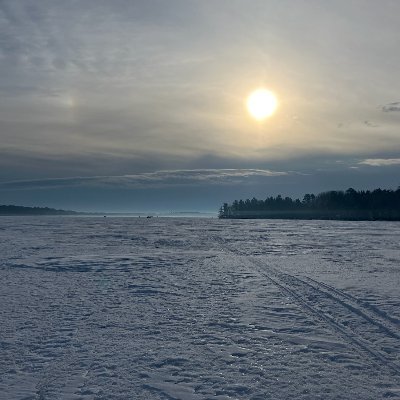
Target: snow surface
(161, 308)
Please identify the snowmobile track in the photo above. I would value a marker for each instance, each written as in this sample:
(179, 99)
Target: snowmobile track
(367, 329)
(368, 310)
(344, 314)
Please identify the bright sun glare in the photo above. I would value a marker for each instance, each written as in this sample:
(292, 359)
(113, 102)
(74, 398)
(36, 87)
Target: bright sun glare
(261, 104)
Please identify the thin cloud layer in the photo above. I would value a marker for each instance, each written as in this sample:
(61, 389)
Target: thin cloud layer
(392, 107)
(156, 179)
(95, 78)
(380, 162)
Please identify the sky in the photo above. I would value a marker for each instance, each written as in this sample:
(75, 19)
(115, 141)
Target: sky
(133, 105)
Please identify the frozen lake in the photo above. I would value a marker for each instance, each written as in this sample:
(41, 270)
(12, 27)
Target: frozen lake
(163, 308)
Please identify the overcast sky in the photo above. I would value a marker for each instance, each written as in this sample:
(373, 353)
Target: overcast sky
(140, 105)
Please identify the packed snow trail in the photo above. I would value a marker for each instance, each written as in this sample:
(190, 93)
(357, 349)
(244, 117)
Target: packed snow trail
(127, 308)
(353, 324)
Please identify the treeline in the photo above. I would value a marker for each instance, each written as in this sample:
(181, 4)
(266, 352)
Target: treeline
(19, 210)
(349, 205)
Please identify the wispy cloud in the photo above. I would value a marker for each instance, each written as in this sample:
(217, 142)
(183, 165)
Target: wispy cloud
(391, 107)
(148, 179)
(99, 88)
(371, 124)
(380, 162)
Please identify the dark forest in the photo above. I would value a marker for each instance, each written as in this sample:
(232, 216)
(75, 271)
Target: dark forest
(351, 204)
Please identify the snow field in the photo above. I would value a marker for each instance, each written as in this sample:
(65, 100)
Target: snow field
(162, 308)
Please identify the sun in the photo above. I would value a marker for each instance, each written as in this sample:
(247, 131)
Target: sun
(261, 104)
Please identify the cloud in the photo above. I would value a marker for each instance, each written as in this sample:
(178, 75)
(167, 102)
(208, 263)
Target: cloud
(370, 124)
(391, 107)
(156, 179)
(99, 88)
(380, 162)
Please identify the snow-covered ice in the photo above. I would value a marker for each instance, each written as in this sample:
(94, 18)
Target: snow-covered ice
(163, 308)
